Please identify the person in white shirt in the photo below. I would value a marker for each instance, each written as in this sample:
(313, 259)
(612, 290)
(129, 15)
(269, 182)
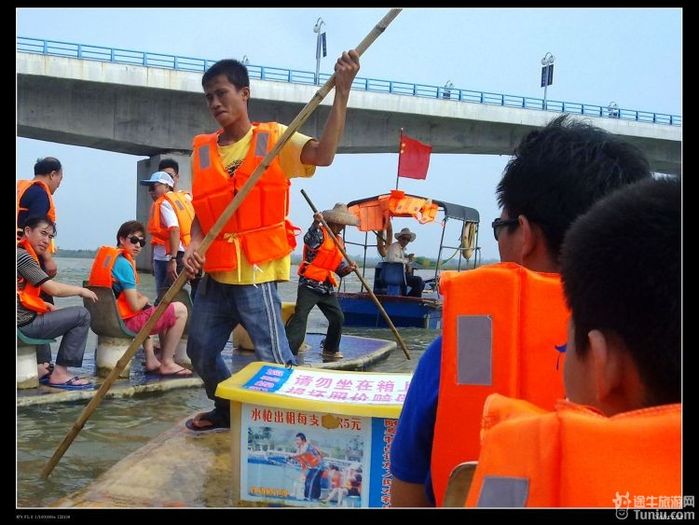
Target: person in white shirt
(396, 253)
(172, 168)
(163, 222)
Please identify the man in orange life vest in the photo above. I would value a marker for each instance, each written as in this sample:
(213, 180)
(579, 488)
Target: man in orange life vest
(169, 224)
(35, 199)
(41, 320)
(556, 174)
(252, 252)
(321, 257)
(618, 434)
(310, 458)
(172, 168)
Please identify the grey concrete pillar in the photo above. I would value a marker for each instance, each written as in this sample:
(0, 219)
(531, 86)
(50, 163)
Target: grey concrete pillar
(143, 201)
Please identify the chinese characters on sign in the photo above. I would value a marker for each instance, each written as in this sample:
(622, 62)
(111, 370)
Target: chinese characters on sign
(370, 389)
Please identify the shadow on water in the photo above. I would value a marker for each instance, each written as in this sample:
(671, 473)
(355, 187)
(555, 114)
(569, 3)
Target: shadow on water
(121, 426)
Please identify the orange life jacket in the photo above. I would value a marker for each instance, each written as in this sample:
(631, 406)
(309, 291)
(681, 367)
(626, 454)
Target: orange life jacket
(501, 326)
(184, 211)
(101, 275)
(29, 295)
(402, 205)
(372, 215)
(326, 261)
(375, 214)
(22, 187)
(259, 228)
(575, 456)
(335, 479)
(309, 459)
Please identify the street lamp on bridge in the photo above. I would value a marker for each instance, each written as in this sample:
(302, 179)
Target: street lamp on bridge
(547, 74)
(320, 46)
(446, 94)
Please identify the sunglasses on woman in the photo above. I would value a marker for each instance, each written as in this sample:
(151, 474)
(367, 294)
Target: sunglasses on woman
(137, 240)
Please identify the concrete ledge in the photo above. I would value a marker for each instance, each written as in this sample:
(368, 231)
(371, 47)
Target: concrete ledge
(27, 374)
(50, 395)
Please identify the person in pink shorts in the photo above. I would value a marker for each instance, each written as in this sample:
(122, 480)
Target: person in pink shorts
(134, 307)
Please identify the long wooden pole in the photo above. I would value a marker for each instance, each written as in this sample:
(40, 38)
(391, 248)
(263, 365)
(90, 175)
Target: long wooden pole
(204, 246)
(366, 285)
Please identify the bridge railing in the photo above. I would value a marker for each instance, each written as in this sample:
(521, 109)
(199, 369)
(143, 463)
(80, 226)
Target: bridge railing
(275, 74)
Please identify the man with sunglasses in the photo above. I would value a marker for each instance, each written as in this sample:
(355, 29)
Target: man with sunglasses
(555, 175)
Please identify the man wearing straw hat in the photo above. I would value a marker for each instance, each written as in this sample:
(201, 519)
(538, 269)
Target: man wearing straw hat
(321, 257)
(252, 252)
(396, 253)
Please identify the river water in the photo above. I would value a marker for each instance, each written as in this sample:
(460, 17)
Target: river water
(120, 426)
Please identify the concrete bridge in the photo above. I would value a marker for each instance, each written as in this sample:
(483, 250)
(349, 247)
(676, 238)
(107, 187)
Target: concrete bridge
(153, 110)
(94, 98)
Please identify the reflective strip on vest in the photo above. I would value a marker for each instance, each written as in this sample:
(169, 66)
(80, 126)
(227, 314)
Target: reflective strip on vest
(107, 264)
(474, 340)
(261, 146)
(204, 157)
(500, 491)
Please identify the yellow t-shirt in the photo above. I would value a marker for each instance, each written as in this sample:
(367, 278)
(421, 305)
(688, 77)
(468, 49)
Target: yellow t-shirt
(290, 161)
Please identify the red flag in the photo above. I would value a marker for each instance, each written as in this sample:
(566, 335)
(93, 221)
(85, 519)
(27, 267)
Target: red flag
(414, 158)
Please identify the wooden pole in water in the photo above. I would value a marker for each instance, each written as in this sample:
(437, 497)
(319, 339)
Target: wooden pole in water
(371, 293)
(306, 112)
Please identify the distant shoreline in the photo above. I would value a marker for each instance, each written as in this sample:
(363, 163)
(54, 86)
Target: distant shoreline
(77, 254)
(425, 264)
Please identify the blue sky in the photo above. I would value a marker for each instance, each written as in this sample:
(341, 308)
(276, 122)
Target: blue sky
(630, 56)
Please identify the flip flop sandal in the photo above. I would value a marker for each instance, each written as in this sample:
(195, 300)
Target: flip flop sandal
(216, 423)
(72, 384)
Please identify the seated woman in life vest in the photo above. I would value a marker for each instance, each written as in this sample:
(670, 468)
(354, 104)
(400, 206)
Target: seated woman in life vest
(396, 253)
(40, 320)
(115, 267)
